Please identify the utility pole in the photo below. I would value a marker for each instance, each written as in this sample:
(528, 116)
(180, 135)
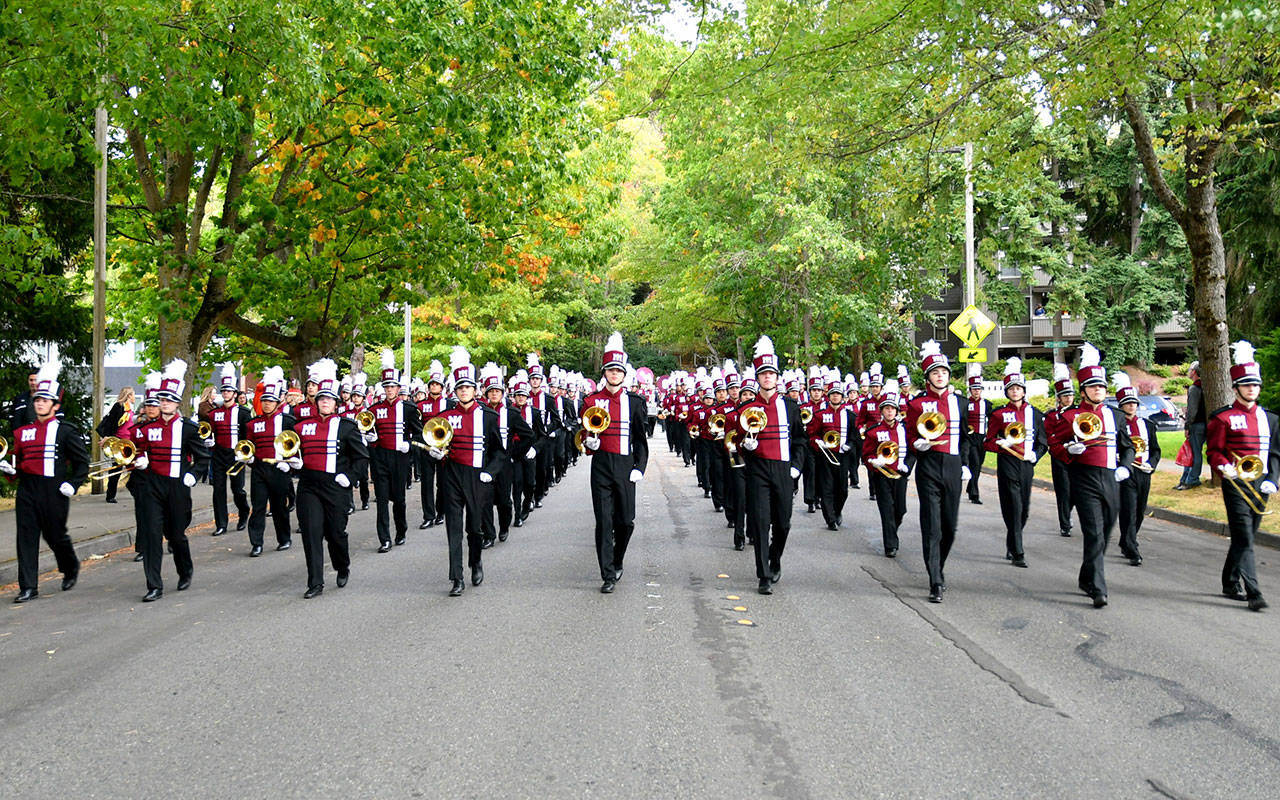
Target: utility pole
(968, 225)
(408, 341)
(99, 268)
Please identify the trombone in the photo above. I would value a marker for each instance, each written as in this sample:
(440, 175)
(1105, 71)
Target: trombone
(755, 420)
(1249, 469)
(204, 430)
(716, 424)
(830, 440)
(1087, 427)
(1139, 451)
(244, 451)
(888, 451)
(119, 453)
(436, 432)
(1014, 430)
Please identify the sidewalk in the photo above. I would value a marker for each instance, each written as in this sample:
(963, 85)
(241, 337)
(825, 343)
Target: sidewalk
(97, 527)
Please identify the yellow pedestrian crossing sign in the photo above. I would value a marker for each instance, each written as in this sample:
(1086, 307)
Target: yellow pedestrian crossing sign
(972, 355)
(972, 326)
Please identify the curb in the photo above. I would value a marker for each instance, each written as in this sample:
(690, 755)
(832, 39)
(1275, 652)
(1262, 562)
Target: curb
(1188, 520)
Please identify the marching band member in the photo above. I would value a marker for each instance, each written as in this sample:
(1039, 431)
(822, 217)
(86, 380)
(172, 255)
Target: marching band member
(137, 484)
(887, 471)
(395, 423)
(1094, 442)
(867, 415)
(773, 465)
(173, 452)
(51, 462)
(1146, 457)
(1016, 456)
(619, 455)
(432, 405)
(355, 404)
(541, 402)
(473, 456)
(1239, 434)
(810, 470)
(905, 392)
(333, 453)
(743, 534)
(732, 497)
(973, 442)
(228, 422)
(516, 438)
(831, 463)
(523, 478)
(1064, 395)
(939, 472)
(269, 478)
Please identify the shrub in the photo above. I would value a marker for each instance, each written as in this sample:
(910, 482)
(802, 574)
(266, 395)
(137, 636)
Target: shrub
(994, 371)
(1146, 387)
(1176, 386)
(1037, 368)
(1160, 370)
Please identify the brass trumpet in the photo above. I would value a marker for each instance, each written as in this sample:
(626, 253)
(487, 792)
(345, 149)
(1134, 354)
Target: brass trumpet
(204, 430)
(1248, 469)
(1014, 430)
(244, 451)
(364, 421)
(831, 439)
(437, 433)
(755, 420)
(931, 425)
(119, 453)
(731, 444)
(888, 451)
(715, 425)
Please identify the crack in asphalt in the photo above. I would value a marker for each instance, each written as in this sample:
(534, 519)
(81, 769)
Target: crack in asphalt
(981, 657)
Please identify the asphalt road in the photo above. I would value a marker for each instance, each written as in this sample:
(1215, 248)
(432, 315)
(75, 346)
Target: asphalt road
(846, 684)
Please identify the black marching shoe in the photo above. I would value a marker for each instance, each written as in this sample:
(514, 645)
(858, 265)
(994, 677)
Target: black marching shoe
(384, 547)
(486, 543)
(399, 540)
(811, 507)
(112, 500)
(738, 545)
(503, 534)
(314, 591)
(1234, 593)
(519, 521)
(26, 595)
(219, 531)
(243, 523)
(766, 586)
(456, 591)
(69, 581)
(364, 506)
(831, 526)
(152, 595)
(284, 545)
(343, 577)
(892, 552)
(439, 520)
(935, 593)
(976, 501)
(1099, 600)
(477, 575)
(1020, 561)
(607, 587)
(351, 510)
(137, 556)
(426, 523)
(184, 583)
(1257, 603)
(537, 503)
(1065, 533)
(1135, 560)
(255, 551)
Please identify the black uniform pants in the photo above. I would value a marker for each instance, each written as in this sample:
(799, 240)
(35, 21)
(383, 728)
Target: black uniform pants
(833, 484)
(1133, 508)
(223, 458)
(462, 495)
(429, 489)
(322, 517)
(170, 509)
(362, 483)
(1013, 484)
(137, 488)
(544, 466)
(613, 499)
(268, 486)
(713, 451)
(973, 452)
(523, 484)
(938, 484)
(390, 476)
(684, 442)
(811, 477)
(855, 447)
(701, 463)
(649, 422)
(769, 496)
(1096, 496)
(497, 496)
(564, 443)
(1062, 494)
(41, 510)
(891, 502)
(736, 480)
(1242, 524)
(670, 431)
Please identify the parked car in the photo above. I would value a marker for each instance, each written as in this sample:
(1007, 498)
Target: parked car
(1159, 410)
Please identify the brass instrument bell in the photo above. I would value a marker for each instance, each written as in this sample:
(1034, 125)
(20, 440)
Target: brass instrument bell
(931, 425)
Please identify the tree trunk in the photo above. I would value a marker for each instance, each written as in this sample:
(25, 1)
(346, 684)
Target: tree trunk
(1135, 211)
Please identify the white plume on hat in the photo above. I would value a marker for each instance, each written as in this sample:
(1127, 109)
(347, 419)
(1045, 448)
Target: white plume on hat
(359, 379)
(153, 380)
(816, 372)
(436, 367)
(1120, 379)
(520, 376)
(729, 367)
(930, 348)
(272, 376)
(49, 370)
(176, 368)
(749, 374)
(1061, 372)
(764, 346)
(849, 377)
(974, 370)
(531, 360)
(229, 371)
(630, 378)
(1242, 352)
(864, 378)
(388, 358)
(490, 370)
(324, 370)
(614, 342)
(459, 357)
(716, 374)
(891, 386)
(903, 372)
(1011, 367)
(876, 368)
(1089, 356)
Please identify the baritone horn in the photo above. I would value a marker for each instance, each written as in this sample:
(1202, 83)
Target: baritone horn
(888, 451)
(755, 420)
(1248, 469)
(244, 451)
(204, 430)
(806, 414)
(831, 440)
(287, 444)
(364, 421)
(931, 425)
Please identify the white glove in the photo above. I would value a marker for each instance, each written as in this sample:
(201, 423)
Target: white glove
(903, 468)
(553, 434)
(591, 442)
(795, 473)
(283, 466)
(1122, 474)
(7, 468)
(208, 442)
(188, 480)
(435, 453)
(295, 462)
(1029, 456)
(844, 448)
(141, 462)
(1076, 448)
(1228, 471)
(822, 444)
(1267, 487)
(922, 444)
(402, 446)
(371, 437)
(965, 474)
(750, 444)
(66, 489)
(1006, 443)
(636, 476)
(342, 480)
(533, 453)
(878, 462)
(486, 477)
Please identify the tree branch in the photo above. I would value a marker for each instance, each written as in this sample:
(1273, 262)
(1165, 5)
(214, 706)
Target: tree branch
(1150, 160)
